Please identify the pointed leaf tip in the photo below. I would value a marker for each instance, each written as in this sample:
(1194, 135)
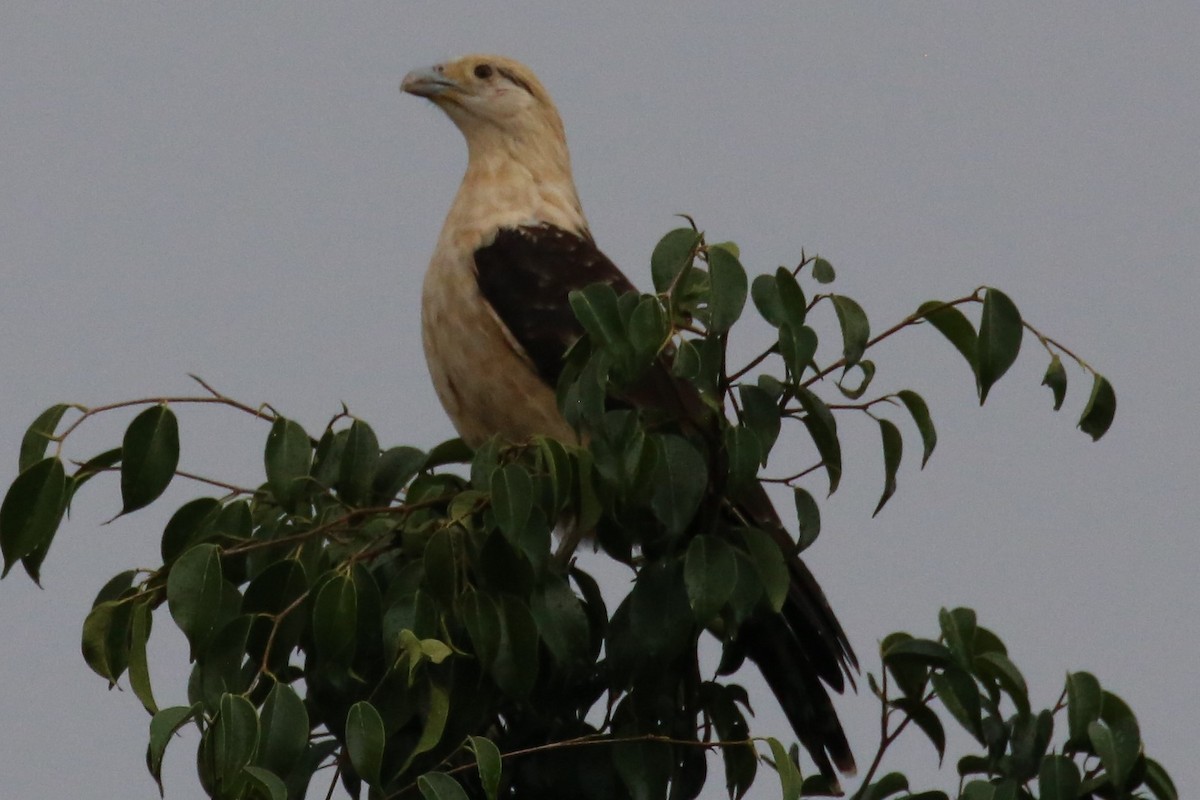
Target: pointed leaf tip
(1101, 407)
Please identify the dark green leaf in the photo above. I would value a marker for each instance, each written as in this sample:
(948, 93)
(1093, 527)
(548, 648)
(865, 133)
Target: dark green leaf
(1101, 406)
(808, 516)
(561, 621)
(162, 728)
(644, 768)
(1084, 698)
(671, 255)
(1124, 736)
(920, 414)
(822, 270)
(364, 741)
(856, 330)
(922, 651)
(397, 466)
(890, 784)
(597, 310)
(233, 737)
(960, 695)
(864, 366)
(481, 616)
(149, 456)
(195, 595)
(707, 571)
(797, 345)
(1159, 782)
(893, 446)
(31, 511)
(335, 618)
(761, 414)
(359, 461)
(451, 451)
(139, 670)
(287, 459)
(1056, 379)
(728, 281)
(999, 339)
(998, 668)
(680, 479)
(512, 499)
(791, 298)
(285, 728)
(435, 723)
(769, 563)
(952, 324)
(744, 457)
(105, 642)
(1058, 779)
(440, 786)
(267, 782)
(789, 773)
(39, 435)
(185, 525)
(487, 759)
(958, 630)
(764, 291)
(924, 718)
(515, 667)
(823, 429)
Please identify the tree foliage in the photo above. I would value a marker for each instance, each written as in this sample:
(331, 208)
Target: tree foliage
(402, 615)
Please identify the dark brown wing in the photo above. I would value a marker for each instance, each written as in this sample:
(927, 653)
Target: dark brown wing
(526, 274)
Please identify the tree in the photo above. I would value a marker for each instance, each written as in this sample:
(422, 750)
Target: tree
(402, 614)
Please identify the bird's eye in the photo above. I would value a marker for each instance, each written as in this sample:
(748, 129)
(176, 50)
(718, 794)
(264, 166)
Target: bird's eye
(483, 71)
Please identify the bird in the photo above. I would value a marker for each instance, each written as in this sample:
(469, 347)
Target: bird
(496, 324)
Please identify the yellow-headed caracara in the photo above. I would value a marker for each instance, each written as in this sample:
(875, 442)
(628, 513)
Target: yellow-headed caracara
(496, 324)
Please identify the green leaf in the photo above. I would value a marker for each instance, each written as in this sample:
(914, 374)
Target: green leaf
(760, 413)
(512, 499)
(359, 461)
(864, 366)
(1058, 778)
(958, 630)
(149, 456)
(234, 738)
(31, 511)
(728, 287)
(451, 451)
(681, 477)
(822, 270)
(999, 341)
(285, 728)
(1084, 698)
(105, 641)
(515, 667)
(890, 784)
(856, 330)
(597, 310)
(764, 291)
(1101, 406)
(1000, 670)
(1113, 756)
(924, 718)
(744, 456)
(435, 723)
(893, 446)
(770, 565)
(335, 619)
(195, 595)
(185, 526)
(791, 298)
(561, 621)
(440, 786)
(288, 459)
(789, 773)
(707, 570)
(487, 759)
(1159, 782)
(481, 616)
(1056, 379)
(267, 782)
(163, 726)
(920, 414)
(808, 516)
(797, 346)
(364, 741)
(139, 669)
(397, 467)
(1122, 736)
(823, 429)
(644, 768)
(952, 324)
(960, 695)
(921, 651)
(672, 255)
(39, 435)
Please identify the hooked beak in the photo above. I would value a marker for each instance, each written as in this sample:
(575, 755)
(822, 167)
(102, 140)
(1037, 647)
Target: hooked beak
(427, 82)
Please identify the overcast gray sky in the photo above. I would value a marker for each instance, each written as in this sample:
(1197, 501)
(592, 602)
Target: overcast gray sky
(239, 191)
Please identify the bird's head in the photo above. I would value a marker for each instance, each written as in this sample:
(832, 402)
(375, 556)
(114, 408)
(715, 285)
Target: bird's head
(493, 100)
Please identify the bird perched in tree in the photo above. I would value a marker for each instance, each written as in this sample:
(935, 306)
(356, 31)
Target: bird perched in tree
(496, 324)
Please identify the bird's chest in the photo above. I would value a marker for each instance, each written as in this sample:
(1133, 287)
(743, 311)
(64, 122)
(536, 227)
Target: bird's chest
(483, 379)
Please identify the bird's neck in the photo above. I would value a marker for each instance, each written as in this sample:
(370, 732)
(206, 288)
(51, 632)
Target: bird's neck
(518, 180)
